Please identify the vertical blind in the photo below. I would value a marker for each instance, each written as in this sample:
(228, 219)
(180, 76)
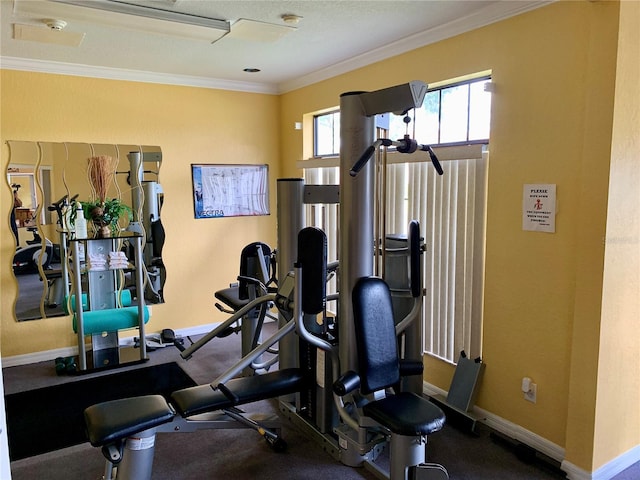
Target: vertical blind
(451, 211)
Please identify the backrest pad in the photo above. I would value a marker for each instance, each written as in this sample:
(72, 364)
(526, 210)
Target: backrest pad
(375, 334)
(254, 263)
(312, 258)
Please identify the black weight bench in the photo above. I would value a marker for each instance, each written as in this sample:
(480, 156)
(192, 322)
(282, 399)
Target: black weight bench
(110, 423)
(239, 391)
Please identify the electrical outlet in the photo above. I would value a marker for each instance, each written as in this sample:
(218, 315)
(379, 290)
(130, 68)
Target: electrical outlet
(531, 395)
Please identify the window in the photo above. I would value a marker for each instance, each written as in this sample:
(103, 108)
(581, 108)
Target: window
(326, 128)
(453, 114)
(450, 209)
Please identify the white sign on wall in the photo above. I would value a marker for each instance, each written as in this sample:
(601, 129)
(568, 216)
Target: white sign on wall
(539, 208)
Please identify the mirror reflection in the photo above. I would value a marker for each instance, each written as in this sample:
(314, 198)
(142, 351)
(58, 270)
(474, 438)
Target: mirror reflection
(49, 181)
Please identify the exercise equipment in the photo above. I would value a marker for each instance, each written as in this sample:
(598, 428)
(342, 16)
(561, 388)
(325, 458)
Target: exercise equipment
(31, 258)
(407, 416)
(462, 392)
(257, 278)
(58, 286)
(353, 424)
(125, 429)
(99, 321)
(146, 198)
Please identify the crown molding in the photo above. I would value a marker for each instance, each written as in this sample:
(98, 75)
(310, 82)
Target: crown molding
(491, 14)
(78, 70)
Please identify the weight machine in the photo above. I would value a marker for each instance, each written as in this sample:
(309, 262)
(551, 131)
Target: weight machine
(328, 381)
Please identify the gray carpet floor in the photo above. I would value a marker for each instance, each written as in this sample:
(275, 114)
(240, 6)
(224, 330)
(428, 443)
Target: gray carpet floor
(240, 454)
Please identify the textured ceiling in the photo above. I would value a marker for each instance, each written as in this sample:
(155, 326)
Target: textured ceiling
(331, 37)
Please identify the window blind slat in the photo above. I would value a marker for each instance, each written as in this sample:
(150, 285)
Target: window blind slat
(451, 212)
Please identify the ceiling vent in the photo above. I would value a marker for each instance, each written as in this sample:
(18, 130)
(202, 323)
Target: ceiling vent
(256, 31)
(52, 32)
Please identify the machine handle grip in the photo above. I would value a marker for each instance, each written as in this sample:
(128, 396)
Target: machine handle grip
(362, 161)
(434, 158)
(228, 393)
(364, 158)
(347, 383)
(57, 206)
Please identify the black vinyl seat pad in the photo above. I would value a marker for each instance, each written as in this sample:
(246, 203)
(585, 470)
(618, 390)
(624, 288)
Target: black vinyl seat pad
(111, 421)
(202, 398)
(406, 414)
(231, 296)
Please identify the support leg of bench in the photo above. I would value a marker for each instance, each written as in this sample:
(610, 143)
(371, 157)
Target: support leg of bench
(137, 459)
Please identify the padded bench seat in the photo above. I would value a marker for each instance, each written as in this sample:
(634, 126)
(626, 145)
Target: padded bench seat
(406, 414)
(109, 422)
(203, 398)
(231, 296)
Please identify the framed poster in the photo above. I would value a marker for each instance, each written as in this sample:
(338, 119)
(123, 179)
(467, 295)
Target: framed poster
(230, 190)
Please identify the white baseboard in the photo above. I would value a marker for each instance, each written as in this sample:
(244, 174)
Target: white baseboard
(508, 428)
(605, 472)
(575, 473)
(37, 357)
(512, 430)
(546, 447)
(46, 355)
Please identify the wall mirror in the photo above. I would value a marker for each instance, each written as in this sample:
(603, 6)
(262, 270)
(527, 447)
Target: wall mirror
(46, 179)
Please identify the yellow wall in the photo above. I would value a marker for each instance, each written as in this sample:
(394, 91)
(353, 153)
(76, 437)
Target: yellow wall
(618, 394)
(547, 314)
(554, 75)
(191, 125)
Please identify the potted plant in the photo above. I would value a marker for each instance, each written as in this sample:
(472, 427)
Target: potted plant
(102, 211)
(106, 214)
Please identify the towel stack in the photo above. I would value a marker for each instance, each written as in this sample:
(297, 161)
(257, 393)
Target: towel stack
(97, 261)
(118, 260)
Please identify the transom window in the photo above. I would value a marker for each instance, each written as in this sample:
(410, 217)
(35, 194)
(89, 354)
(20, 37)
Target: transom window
(458, 113)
